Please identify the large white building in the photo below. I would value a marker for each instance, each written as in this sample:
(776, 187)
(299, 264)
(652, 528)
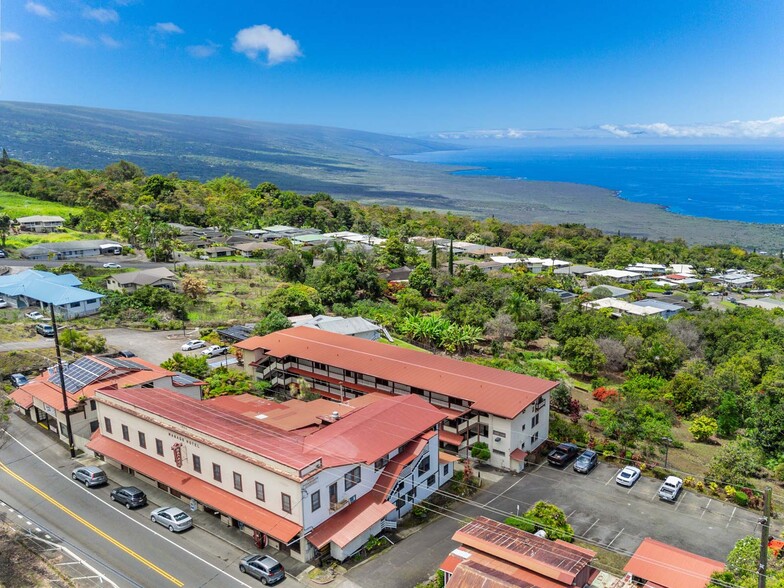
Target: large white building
(507, 411)
(309, 478)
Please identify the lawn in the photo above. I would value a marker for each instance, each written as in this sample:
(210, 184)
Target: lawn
(234, 294)
(400, 343)
(16, 205)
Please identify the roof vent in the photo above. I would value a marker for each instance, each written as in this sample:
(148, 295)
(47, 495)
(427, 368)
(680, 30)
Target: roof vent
(335, 415)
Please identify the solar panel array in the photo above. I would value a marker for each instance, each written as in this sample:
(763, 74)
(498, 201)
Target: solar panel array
(79, 374)
(124, 363)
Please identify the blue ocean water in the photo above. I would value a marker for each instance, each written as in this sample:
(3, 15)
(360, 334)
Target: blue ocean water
(731, 183)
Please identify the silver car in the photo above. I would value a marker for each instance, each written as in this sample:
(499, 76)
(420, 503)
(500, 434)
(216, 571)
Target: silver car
(172, 518)
(262, 567)
(89, 476)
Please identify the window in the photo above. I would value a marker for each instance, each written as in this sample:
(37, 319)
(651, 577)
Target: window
(285, 502)
(74, 304)
(125, 433)
(259, 491)
(499, 434)
(159, 447)
(446, 469)
(431, 480)
(107, 424)
(92, 405)
(353, 477)
(93, 426)
(382, 382)
(63, 430)
(381, 463)
(238, 481)
(534, 437)
(483, 430)
(196, 463)
(523, 427)
(424, 466)
(142, 440)
(534, 420)
(320, 366)
(498, 452)
(216, 473)
(315, 501)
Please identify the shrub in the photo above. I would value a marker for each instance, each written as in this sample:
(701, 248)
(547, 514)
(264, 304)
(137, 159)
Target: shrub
(714, 488)
(689, 481)
(603, 394)
(729, 492)
(480, 451)
(659, 473)
(778, 472)
(703, 428)
(699, 486)
(741, 498)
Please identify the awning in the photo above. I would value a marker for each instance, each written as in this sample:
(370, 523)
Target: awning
(450, 438)
(237, 508)
(444, 457)
(518, 455)
(348, 524)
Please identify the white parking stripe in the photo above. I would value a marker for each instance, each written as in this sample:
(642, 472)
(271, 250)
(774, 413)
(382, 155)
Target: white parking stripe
(705, 508)
(727, 526)
(585, 533)
(611, 479)
(614, 538)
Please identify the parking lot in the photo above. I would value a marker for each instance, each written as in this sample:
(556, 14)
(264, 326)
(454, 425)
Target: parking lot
(600, 511)
(154, 346)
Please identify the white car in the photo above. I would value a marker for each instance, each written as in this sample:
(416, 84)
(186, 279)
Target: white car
(35, 315)
(194, 344)
(3, 303)
(214, 350)
(628, 476)
(172, 518)
(112, 265)
(670, 489)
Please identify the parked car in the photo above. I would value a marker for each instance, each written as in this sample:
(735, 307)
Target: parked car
(3, 254)
(34, 315)
(44, 329)
(563, 454)
(112, 265)
(172, 518)
(715, 294)
(193, 344)
(586, 461)
(262, 567)
(130, 496)
(3, 303)
(90, 476)
(732, 299)
(214, 350)
(670, 489)
(18, 380)
(628, 476)
(126, 353)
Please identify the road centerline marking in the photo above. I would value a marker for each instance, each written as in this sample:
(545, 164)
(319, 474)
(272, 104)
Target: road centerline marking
(92, 527)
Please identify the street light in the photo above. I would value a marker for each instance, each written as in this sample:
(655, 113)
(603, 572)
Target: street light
(667, 442)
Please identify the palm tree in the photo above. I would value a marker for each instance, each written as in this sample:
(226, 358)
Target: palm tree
(5, 227)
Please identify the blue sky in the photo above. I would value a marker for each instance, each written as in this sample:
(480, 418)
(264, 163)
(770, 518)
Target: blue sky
(411, 67)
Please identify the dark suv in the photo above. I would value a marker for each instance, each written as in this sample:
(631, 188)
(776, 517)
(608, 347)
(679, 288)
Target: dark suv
(130, 496)
(45, 330)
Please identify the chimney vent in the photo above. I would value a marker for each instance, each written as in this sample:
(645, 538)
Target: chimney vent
(335, 415)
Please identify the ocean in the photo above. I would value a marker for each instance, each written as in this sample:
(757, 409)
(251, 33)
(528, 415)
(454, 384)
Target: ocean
(729, 183)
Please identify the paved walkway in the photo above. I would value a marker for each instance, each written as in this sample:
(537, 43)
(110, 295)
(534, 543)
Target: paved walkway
(37, 343)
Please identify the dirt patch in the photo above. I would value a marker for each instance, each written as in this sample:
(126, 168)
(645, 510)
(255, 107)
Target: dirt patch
(21, 567)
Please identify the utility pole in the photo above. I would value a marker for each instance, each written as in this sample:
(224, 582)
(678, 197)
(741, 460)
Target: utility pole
(62, 383)
(762, 569)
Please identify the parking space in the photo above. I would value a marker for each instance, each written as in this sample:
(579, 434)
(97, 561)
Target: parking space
(154, 346)
(619, 518)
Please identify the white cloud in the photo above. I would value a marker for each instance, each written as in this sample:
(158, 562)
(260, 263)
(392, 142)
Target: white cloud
(201, 51)
(278, 46)
(167, 28)
(39, 9)
(10, 36)
(75, 39)
(101, 14)
(772, 128)
(110, 41)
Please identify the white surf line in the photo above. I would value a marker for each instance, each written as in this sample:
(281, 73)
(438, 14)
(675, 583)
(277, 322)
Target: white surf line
(126, 515)
(614, 538)
(705, 508)
(727, 526)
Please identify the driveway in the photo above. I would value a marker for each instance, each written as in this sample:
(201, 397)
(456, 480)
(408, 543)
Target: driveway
(154, 346)
(600, 511)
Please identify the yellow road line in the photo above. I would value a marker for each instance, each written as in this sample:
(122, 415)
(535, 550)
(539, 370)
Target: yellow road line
(92, 527)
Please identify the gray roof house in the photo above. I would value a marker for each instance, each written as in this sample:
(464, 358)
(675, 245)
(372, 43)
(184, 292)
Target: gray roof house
(354, 326)
(40, 223)
(158, 277)
(69, 249)
(615, 291)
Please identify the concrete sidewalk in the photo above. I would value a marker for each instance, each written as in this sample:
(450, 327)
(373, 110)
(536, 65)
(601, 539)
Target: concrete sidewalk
(202, 520)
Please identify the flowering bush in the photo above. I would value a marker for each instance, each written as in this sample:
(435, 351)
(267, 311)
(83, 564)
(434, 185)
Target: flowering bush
(603, 394)
(729, 492)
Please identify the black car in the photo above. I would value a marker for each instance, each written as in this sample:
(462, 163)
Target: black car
(130, 496)
(586, 462)
(563, 454)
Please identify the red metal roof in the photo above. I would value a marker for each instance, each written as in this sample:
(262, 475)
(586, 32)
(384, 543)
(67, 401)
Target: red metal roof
(242, 510)
(444, 457)
(557, 560)
(348, 524)
(518, 455)
(451, 438)
(671, 567)
(489, 390)
(21, 398)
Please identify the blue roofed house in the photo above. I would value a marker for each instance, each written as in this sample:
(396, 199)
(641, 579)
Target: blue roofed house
(33, 289)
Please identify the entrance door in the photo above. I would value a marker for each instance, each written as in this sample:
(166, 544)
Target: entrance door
(41, 418)
(333, 494)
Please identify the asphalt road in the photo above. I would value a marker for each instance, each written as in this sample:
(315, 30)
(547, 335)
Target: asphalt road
(35, 482)
(599, 510)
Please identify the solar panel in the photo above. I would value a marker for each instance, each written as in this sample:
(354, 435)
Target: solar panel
(124, 363)
(184, 379)
(81, 373)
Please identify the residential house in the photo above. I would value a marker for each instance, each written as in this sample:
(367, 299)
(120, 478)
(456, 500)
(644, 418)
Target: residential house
(680, 281)
(214, 252)
(615, 291)
(683, 269)
(311, 240)
(354, 326)
(735, 278)
(69, 249)
(258, 247)
(648, 269)
(40, 223)
(478, 250)
(33, 289)
(563, 295)
(286, 232)
(508, 411)
(537, 264)
(575, 270)
(764, 303)
(623, 307)
(496, 555)
(659, 565)
(158, 277)
(308, 478)
(41, 400)
(398, 275)
(622, 276)
(236, 333)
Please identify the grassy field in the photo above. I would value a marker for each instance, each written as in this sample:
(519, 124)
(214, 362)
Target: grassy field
(15, 205)
(23, 240)
(234, 294)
